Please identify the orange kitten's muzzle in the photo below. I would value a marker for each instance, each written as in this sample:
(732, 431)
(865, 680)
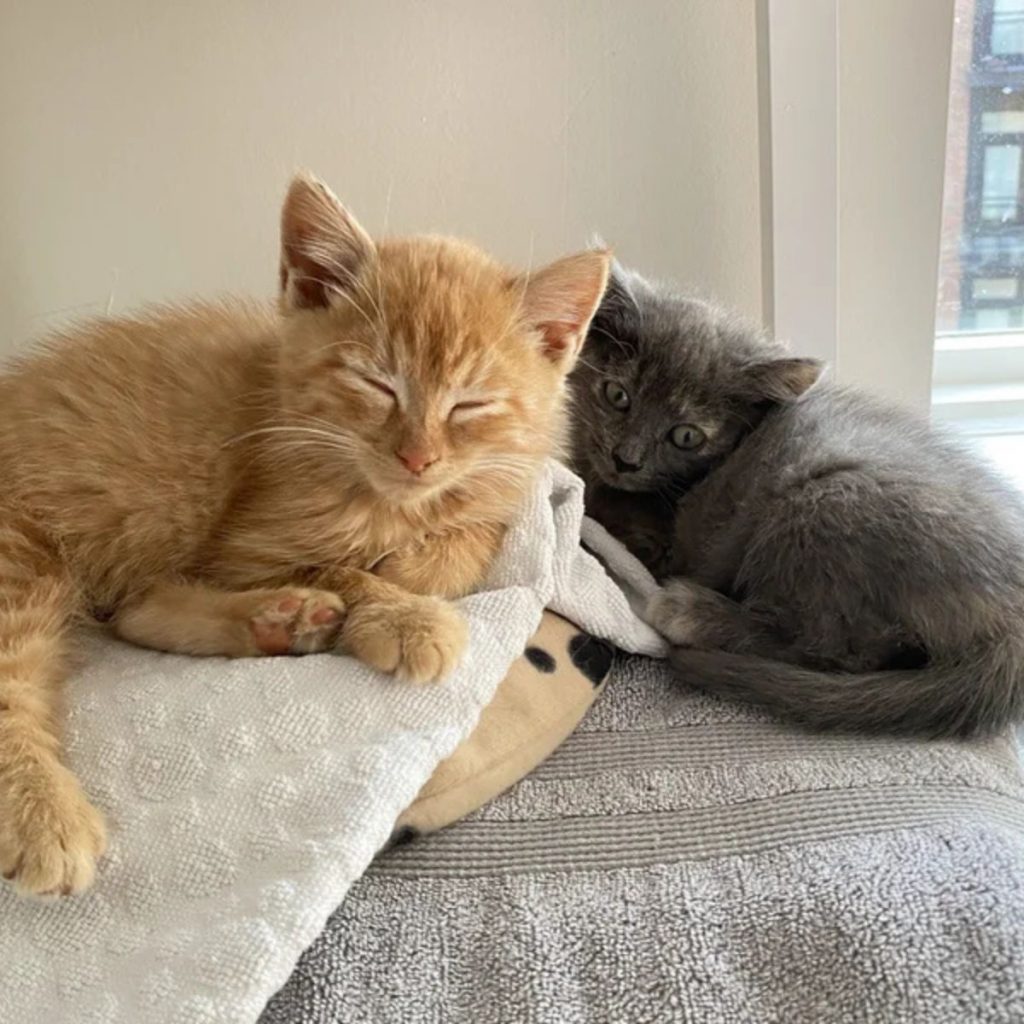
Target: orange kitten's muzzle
(416, 460)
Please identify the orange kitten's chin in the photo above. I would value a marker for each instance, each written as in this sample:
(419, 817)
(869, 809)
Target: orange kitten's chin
(408, 490)
(403, 488)
(415, 492)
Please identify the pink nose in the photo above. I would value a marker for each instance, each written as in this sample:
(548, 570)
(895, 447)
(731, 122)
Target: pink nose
(416, 459)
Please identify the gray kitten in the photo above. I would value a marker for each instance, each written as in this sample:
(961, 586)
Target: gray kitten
(843, 563)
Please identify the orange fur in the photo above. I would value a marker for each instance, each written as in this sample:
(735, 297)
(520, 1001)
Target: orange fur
(234, 479)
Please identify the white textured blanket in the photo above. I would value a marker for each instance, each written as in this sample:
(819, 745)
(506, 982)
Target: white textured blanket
(686, 860)
(245, 797)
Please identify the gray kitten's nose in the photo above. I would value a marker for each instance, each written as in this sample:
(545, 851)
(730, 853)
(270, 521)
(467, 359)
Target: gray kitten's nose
(623, 466)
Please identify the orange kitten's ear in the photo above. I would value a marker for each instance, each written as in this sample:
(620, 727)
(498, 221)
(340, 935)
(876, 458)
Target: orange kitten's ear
(560, 301)
(323, 248)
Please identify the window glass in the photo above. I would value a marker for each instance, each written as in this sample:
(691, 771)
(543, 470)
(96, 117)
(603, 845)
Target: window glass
(983, 215)
(998, 122)
(978, 371)
(989, 288)
(1007, 27)
(1000, 182)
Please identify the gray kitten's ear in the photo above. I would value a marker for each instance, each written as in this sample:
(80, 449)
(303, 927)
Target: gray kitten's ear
(780, 380)
(323, 247)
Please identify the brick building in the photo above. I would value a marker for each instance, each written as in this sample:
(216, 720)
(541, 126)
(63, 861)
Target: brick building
(981, 271)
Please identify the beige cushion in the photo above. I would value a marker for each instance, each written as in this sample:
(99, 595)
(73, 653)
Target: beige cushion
(538, 704)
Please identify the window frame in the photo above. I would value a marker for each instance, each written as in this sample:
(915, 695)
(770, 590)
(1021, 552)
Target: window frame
(857, 287)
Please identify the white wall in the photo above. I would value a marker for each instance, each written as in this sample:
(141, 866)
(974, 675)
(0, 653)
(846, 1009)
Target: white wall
(145, 146)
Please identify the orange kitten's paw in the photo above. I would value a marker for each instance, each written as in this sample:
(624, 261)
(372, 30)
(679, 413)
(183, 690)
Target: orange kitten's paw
(297, 621)
(420, 639)
(51, 837)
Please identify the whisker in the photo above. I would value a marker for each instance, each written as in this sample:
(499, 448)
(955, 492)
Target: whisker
(588, 365)
(342, 294)
(387, 221)
(355, 282)
(290, 451)
(341, 291)
(611, 337)
(330, 435)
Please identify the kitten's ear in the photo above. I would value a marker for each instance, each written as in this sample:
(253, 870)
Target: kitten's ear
(560, 301)
(323, 246)
(780, 380)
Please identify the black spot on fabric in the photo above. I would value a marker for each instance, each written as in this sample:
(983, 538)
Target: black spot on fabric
(591, 656)
(403, 836)
(540, 659)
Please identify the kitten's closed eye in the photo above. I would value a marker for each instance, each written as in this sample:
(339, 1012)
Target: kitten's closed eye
(379, 385)
(472, 407)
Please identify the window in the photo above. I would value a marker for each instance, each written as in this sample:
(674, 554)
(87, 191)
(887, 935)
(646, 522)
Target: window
(983, 231)
(979, 351)
(1004, 28)
(1000, 183)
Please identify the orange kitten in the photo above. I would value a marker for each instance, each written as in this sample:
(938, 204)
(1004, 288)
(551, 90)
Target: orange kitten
(237, 480)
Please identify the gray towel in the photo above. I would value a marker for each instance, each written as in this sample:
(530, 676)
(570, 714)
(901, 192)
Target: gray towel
(681, 859)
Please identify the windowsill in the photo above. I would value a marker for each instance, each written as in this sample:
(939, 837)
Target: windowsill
(1006, 453)
(978, 341)
(978, 382)
(980, 409)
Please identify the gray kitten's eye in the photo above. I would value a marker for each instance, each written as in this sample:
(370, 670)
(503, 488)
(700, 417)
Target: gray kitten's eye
(616, 395)
(687, 436)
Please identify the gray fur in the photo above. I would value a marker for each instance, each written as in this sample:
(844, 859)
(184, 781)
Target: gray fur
(842, 562)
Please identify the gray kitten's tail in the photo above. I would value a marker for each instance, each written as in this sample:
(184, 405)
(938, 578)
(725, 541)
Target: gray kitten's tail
(978, 694)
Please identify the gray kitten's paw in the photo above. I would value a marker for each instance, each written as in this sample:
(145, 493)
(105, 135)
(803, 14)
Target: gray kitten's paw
(671, 612)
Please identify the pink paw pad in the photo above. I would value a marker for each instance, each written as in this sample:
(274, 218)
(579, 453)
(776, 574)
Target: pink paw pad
(304, 622)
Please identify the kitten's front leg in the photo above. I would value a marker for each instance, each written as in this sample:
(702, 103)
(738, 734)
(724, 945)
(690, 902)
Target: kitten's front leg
(415, 637)
(192, 618)
(446, 565)
(691, 615)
